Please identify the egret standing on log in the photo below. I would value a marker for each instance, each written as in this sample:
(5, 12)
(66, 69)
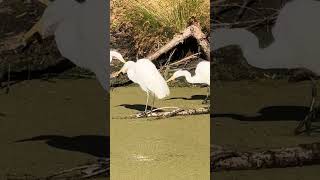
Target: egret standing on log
(202, 76)
(296, 43)
(146, 74)
(80, 32)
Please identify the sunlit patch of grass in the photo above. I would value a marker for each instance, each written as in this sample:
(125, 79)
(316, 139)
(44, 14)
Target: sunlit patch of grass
(153, 22)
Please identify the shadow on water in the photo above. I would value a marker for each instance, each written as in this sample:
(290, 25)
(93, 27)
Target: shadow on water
(194, 97)
(54, 70)
(138, 107)
(98, 146)
(270, 113)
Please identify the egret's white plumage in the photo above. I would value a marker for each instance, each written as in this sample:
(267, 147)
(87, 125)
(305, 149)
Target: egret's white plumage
(296, 42)
(80, 33)
(115, 54)
(146, 74)
(202, 74)
(296, 39)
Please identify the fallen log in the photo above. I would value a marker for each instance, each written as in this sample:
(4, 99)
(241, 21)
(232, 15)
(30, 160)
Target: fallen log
(191, 31)
(100, 168)
(176, 112)
(225, 159)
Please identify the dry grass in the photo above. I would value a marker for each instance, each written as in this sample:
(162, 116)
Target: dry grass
(151, 23)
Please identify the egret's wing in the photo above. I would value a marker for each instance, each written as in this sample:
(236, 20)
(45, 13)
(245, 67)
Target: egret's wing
(54, 14)
(81, 37)
(149, 76)
(300, 40)
(203, 71)
(94, 34)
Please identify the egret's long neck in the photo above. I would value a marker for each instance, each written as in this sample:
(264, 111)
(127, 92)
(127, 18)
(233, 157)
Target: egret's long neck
(264, 58)
(114, 54)
(189, 78)
(249, 45)
(252, 53)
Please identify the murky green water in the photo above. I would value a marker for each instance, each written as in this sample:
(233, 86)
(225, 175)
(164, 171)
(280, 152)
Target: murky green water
(68, 117)
(167, 149)
(262, 115)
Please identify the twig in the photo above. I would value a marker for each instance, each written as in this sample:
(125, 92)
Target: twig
(185, 59)
(166, 65)
(250, 23)
(244, 8)
(233, 5)
(217, 2)
(219, 8)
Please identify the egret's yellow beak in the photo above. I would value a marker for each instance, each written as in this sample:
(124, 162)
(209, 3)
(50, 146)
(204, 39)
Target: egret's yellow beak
(170, 79)
(115, 74)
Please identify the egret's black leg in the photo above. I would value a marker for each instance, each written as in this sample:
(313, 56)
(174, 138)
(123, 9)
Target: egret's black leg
(146, 108)
(312, 114)
(205, 101)
(2, 79)
(29, 72)
(9, 79)
(153, 103)
(144, 113)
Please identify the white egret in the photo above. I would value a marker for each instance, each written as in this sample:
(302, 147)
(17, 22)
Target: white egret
(202, 75)
(117, 55)
(80, 33)
(296, 43)
(145, 73)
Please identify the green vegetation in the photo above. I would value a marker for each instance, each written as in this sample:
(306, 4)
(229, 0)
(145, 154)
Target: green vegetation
(152, 23)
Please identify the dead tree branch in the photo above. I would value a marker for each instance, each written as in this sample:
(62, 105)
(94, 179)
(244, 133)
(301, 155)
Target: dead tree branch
(304, 154)
(191, 31)
(175, 112)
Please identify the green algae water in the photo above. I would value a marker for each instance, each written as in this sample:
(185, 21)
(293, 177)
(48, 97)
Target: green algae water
(67, 120)
(262, 115)
(159, 149)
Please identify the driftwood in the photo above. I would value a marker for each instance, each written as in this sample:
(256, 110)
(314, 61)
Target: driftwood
(176, 112)
(191, 31)
(225, 159)
(100, 168)
(185, 59)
